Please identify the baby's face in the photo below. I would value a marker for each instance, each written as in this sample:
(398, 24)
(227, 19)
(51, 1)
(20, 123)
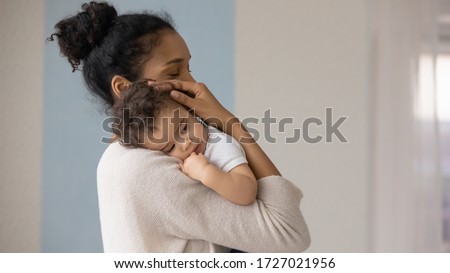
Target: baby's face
(177, 133)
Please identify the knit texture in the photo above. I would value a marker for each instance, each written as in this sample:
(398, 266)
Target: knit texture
(148, 205)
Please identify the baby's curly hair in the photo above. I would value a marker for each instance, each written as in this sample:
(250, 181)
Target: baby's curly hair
(135, 112)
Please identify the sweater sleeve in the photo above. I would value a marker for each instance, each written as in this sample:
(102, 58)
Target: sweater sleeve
(170, 203)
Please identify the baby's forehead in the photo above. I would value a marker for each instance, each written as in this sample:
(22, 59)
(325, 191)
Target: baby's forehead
(172, 109)
(171, 114)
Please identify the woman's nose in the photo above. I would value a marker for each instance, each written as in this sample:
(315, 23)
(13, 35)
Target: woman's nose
(191, 78)
(188, 77)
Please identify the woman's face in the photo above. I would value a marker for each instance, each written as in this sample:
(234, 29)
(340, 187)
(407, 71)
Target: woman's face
(177, 132)
(170, 59)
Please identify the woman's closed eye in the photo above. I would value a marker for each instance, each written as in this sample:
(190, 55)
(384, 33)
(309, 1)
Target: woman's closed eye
(174, 75)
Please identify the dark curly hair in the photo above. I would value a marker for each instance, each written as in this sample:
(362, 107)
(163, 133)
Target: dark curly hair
(106, 44)
(135, 111)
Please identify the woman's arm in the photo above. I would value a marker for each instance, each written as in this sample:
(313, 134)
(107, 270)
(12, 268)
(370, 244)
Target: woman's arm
(148, 205)
(238, 185)
(205, 105)
(258, 161)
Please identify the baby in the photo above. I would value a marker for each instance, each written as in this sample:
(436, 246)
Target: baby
(150, 119)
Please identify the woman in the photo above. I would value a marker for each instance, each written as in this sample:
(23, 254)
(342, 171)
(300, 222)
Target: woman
(146, 203)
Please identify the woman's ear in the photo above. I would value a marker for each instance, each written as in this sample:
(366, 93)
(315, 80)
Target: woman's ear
(118, 85)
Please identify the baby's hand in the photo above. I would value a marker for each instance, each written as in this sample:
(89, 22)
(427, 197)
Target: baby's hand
(194, 165)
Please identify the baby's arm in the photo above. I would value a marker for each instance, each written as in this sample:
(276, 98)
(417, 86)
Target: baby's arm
(238, 185)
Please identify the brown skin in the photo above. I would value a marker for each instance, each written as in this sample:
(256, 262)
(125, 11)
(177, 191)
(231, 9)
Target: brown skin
(170, 63)
(185, 138)
(206, 105)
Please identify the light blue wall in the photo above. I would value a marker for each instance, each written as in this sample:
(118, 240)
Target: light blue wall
(72, 121)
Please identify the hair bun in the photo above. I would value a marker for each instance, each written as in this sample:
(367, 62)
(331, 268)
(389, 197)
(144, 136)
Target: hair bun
(79, 34)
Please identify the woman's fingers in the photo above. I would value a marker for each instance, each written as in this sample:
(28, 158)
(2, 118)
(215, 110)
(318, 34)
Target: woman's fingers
(196, 96)
(186, 94)
(162, 86)
(192, 88)
(182, 98)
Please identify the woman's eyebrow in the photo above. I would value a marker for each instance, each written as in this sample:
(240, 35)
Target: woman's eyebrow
(176, 61)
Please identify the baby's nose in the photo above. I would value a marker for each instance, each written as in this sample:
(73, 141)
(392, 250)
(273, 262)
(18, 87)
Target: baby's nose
(186, 143)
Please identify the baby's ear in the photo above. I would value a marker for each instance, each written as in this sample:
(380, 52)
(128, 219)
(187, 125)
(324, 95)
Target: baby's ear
(118, 85)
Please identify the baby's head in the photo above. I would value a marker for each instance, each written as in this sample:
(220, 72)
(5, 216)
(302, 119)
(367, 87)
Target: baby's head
(150, 119)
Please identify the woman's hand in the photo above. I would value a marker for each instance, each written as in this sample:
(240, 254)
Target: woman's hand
(197, 97)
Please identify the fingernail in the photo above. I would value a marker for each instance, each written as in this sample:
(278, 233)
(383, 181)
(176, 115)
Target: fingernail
(174, 94)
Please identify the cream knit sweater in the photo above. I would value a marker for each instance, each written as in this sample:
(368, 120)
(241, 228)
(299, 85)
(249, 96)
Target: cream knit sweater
(148, 205)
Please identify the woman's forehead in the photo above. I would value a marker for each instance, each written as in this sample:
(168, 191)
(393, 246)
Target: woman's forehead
(171, 47)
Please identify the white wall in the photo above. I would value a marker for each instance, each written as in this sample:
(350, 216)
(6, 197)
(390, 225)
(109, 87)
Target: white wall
(21, 75)
(298, 58)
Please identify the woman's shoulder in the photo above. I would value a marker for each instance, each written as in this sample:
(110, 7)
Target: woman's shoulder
(117, 153)
(119, 162)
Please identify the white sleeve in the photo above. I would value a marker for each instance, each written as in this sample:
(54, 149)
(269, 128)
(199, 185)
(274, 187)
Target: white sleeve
(224, 151)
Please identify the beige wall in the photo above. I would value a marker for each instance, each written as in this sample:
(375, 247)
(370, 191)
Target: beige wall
(298, 58)
(21, 74)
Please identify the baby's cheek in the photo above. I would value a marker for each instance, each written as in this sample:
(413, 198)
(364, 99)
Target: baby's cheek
(199, 133)
(178, 155)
